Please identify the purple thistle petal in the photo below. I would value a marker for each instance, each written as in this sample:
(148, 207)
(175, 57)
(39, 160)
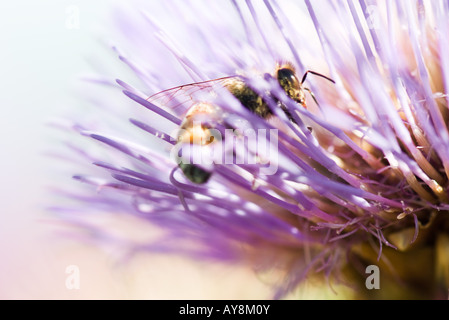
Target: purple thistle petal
(161, 135)
(156, 186)
(153, 108)
(357, 162)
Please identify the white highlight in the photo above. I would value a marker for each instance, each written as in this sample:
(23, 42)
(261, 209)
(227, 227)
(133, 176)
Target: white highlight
(246, 147)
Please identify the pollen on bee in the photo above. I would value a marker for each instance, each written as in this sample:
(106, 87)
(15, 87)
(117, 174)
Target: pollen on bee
(200, 108)
(196, 134)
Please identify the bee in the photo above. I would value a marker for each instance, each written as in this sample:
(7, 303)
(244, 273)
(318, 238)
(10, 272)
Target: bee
(196, 129)
(196, 111)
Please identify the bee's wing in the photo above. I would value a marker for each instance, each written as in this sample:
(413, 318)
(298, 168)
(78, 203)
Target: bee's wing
(179, 99)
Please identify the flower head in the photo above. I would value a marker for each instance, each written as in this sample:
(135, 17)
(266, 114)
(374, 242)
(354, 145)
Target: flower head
(361, 178)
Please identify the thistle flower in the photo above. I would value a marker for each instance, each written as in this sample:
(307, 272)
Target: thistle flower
(360, 179)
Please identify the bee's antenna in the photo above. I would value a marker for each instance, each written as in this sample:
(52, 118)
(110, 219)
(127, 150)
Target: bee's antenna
(313, 96)
(315, 73)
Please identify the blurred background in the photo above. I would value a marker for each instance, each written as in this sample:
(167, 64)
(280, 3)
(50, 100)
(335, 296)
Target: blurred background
(45, 46)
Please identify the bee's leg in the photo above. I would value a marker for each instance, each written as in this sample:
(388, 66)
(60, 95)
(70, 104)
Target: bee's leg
(314, 99)
(180, 193)
(290, 117)
(287, 112)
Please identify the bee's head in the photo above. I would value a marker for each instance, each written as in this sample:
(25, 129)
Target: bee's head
(287, 79)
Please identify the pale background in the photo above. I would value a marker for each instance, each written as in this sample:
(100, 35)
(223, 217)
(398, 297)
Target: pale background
(40, 59)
